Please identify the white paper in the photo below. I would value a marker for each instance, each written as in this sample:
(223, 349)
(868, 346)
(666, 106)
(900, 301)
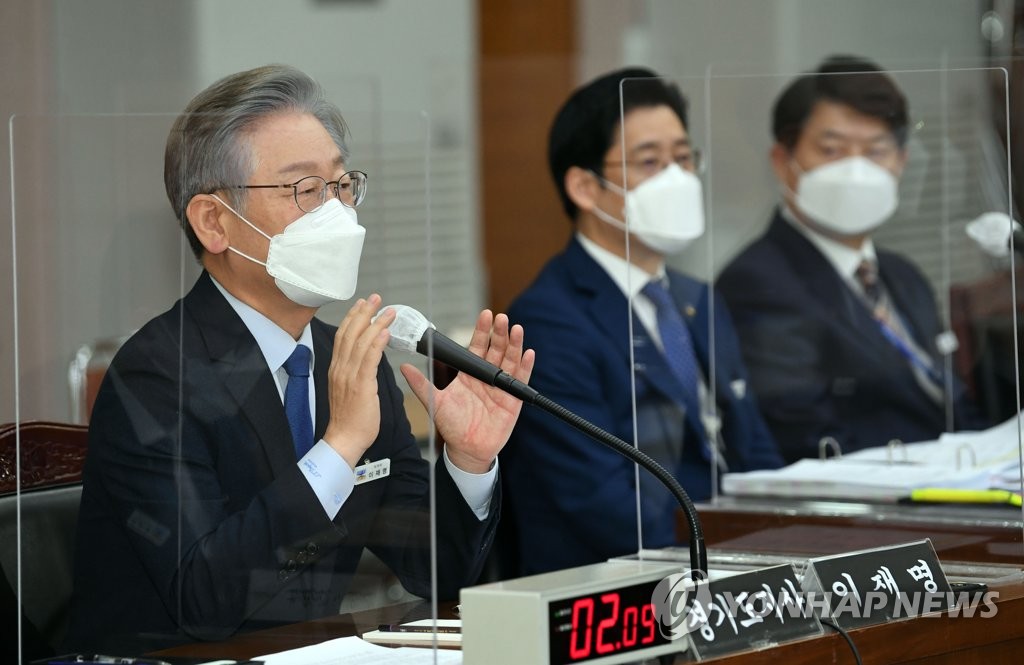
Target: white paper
(355, 651)
(848, 478)
(424, 638)
(960, 460)
(993, 448)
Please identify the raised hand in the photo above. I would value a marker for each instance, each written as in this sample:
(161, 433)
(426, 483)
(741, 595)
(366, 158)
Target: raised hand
(352, 379)
(475, 419)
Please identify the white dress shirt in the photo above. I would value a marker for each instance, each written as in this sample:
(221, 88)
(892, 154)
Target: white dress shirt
(845, 260)
(631, 280)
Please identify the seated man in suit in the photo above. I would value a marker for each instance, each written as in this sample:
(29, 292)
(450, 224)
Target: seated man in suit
(222, 489)
(839, 335)
(575, 500)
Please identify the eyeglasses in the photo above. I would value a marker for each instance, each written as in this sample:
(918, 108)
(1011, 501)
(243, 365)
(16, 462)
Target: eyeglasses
(311, 192)
(646, 167)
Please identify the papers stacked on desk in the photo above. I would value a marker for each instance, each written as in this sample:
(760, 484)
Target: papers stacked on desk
(424, 633)
(962, 460)
(848, 478)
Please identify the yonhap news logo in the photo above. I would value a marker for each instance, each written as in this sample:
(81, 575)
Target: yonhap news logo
(674, 601)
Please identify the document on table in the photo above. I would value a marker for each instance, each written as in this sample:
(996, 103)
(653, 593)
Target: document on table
(446, 632)
(959, 460)
(995, 448)
(356, 651)
(850, 479)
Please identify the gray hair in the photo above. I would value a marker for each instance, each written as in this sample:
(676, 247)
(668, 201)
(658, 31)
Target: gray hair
(206, 148)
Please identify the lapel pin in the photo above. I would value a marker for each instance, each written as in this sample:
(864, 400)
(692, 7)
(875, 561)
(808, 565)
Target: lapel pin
(691, 311)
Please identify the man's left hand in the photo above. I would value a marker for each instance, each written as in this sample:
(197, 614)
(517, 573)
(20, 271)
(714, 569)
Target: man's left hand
(475, 419)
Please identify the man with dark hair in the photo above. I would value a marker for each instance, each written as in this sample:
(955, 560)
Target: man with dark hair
(242, 453)
(573, 500)
(840, 336)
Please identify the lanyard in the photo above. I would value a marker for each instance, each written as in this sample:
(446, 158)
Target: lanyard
(909, 353)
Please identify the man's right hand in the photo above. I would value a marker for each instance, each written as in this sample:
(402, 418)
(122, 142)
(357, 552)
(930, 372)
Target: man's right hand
(355, 408)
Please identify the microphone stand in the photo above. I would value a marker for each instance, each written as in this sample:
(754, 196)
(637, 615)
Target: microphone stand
(518, 389)
(698, 551)
(436, 346)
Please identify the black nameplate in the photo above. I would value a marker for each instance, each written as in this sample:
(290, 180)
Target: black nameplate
(749, 610)
(878, 585)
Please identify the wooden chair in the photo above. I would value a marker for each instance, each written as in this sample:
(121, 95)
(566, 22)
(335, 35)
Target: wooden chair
(51, 459)
(52, 454)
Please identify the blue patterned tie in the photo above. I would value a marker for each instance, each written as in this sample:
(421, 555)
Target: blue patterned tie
(678, 351)
(296, 400)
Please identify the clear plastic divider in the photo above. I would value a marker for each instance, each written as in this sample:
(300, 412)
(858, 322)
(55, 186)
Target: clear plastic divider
(848, 294)
(160, 504)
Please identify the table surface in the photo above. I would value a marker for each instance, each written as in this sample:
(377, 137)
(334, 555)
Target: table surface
(981, 533)
(976, 534)
(938, 639)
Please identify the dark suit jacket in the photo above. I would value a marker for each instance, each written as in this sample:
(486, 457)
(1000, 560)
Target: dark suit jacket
(819, 363)
(572, 499)
(196, 521)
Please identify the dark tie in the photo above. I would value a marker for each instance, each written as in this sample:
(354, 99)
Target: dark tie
(678, 351)
(296, 400)
(895, 331)
(867, 275)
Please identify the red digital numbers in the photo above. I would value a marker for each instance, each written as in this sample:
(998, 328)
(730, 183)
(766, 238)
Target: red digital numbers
(576, 651)
(629, 623)
(647, 619)
(615, 631)
(611, 599)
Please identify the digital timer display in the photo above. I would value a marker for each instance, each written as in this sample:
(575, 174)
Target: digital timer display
(598, 625)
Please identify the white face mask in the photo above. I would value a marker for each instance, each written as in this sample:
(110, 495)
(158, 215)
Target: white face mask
(665, 212)
(315, 260)
(850, 196)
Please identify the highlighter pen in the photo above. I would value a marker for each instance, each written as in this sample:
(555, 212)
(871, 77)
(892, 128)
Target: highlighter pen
(398, 628)
(944, 495)
(79, 659)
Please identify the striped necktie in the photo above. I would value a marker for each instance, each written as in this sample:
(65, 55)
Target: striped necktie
(922, 365)
(679, 353)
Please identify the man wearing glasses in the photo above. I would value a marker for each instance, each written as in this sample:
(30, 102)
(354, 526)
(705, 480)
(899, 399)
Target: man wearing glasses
(243, 453)
(572, 500)
(840, 336)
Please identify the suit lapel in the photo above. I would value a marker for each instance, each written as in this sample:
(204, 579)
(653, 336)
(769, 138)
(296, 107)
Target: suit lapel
(236, 358)
(850, 319)
(691, 297)
(605, 299)
(840, 305)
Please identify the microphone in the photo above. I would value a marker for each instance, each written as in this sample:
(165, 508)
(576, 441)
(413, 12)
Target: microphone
(411, 332)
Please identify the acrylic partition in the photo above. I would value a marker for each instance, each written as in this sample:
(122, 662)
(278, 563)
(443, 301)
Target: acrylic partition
(153, 499)
(844, 291)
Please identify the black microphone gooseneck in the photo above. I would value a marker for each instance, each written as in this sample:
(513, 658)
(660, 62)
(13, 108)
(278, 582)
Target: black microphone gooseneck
(1018, 239)
(439, 347)
(698, 550)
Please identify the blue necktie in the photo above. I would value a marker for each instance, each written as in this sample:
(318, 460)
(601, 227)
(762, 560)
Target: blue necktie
(678, 351)
(296, 400)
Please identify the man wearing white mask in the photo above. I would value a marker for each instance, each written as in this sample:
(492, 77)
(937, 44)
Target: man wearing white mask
(570, 500)
(242, 453)
(839, 335)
